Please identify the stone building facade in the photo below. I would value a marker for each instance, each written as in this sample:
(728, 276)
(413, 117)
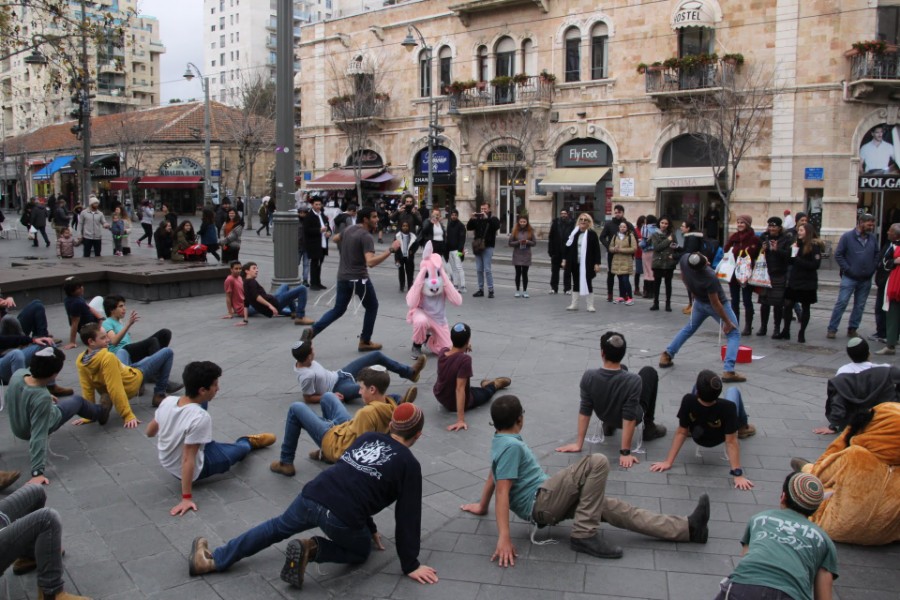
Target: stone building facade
(594, 131)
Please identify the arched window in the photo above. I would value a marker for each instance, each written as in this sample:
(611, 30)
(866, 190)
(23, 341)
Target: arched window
(482, 63)
(529, 58)
(573, 54)
(424, 75)
(599, 46)
(445, 59)
(690, 151)
(696, 40)
(506, 58)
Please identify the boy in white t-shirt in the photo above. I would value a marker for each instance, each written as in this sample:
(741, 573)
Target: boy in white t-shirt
(186, 447)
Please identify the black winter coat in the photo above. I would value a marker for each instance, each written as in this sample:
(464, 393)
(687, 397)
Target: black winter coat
(592, 255)
(560, 230)
(804, 273)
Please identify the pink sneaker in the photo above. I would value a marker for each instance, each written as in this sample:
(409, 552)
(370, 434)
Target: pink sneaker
(629, 301)
(619, 301)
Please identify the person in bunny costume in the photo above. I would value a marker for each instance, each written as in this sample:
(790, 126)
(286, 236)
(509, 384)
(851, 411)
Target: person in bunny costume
(427, 301)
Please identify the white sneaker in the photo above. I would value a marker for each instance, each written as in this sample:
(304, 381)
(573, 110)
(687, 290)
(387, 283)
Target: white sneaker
(518, 294)
(463, 289)
(525, 294)
(551, 292)
(568, 293)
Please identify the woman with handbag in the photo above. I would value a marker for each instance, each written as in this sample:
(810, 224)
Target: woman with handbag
(803, 279)
(743, 240)
(777, 246)
(647, 232)
(664, 247)
(889, 261)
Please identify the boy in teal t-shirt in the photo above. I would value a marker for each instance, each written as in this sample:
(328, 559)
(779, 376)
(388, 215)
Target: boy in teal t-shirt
(118, 327)
(784, 550)
(577, 492)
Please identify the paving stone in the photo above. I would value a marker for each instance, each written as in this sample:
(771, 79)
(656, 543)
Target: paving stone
(443, 590)
(549, 576)
(690, 586)
(624, 582)
(159, 572)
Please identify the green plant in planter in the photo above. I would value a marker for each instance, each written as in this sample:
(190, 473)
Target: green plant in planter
(501, 81)
(548, 77)
(671, 63)
(520, 78)
(871, 47)
(642, 68)
(735, 58)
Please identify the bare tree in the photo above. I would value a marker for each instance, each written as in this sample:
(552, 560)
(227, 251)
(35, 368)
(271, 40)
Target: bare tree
(730, 121)
(131, 136)
(251, 128)
(359, 101)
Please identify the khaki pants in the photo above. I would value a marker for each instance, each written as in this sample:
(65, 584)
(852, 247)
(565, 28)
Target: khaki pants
(579, 492)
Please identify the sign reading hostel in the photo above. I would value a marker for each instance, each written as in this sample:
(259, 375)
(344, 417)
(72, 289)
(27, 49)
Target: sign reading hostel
(694, 13)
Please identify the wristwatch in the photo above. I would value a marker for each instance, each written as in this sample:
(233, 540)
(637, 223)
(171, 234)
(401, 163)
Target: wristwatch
(625, 452)
(37, 473)
(739, 472)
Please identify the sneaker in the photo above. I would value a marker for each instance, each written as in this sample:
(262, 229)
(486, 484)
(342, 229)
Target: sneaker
(367, 346)
(568, 292)
(877, 338)
(308, 334)
(887, 351)
(551, 292)
(410, 396)
(260, 440)
(652, 431)
(518, 294)
(745, 431)
(852, 333)
(665, 360)
(698, 520)
(831, 335)
(7, 478)
(285, 469)
(463, 290)
(200, 561)
(490, 293)
(609, 298)
(525, 294)
(304, 283)
(595, 546)
(478, 294)
(417, 368)
(297, 556)
(797, 465)
(619, 300)
(629, 301)
(416, 351)
(303, 321)
(732, 377)
(59, 391)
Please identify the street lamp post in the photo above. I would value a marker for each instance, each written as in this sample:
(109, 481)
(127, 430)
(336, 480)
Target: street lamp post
(189, 75)
(434, 129)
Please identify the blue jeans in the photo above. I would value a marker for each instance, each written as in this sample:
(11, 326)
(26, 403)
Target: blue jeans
(346, 545)
(483, 268)
(76, 405)
(218, 458)
(346, 384)
(303, 259)
(300, 416)
(292, 297)
(702, 310)
(157, 367)
(345, 290)
(859, 289)
(15, 359)
(34, 319)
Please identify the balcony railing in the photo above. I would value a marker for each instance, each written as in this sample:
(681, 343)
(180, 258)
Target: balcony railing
(352, 110)
(660, 80)
(869, 65)
(535, 89)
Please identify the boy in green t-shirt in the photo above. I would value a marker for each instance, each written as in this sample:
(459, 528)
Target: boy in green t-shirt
(577, 492)
(784, 551)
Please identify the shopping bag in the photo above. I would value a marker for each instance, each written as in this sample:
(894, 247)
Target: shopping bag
(726, 267)
(744, 267)
(760, 275)
(32, 232)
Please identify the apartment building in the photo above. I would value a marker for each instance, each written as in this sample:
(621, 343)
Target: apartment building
(126, 74)
(603, 85)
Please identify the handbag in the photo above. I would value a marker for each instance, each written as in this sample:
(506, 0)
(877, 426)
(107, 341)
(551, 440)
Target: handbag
(760, 276)
(726, 267)
(478, 245)
(744, 268)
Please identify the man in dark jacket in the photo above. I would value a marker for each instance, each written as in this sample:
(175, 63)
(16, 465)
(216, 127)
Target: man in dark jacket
(485, 227)
(316, 232)
(408, 213)
(610, 230)
(39, 221)
(222, 214)
(560, 230)
(857, 254)
(61, 216)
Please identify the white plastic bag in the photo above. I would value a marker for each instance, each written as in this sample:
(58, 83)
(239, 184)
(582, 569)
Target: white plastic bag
(726, 267)
(744, 268)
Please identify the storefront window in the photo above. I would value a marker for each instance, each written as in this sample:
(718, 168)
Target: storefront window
(688, 151)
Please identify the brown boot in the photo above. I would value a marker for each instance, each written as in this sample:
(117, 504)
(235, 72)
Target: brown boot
(368, 346)
(286, 469)
(665, 360)
(200, 561)
(410, 396)
(261, 440)
(303, 321)
(499, 383)
(7, 478)
(417, 367)
(297, 556)
(733, 377)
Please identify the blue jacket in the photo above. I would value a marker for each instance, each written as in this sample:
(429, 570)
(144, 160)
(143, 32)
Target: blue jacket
(856, 260)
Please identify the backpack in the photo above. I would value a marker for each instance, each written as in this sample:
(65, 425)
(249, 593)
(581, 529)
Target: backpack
(262, 211)
(709, 247)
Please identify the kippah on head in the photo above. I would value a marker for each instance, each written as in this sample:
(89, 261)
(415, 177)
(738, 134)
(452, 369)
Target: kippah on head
(616, 341)
(46, 351)
(806, 490)
(858, 349)
(696, 260)
(406, 417)
(709, 386)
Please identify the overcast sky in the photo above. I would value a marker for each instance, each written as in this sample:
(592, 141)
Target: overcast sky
(181, 32)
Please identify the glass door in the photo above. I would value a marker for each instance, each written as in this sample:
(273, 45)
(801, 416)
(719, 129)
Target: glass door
(510, 199)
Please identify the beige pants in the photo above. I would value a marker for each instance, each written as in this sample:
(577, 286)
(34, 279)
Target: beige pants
(579, 492)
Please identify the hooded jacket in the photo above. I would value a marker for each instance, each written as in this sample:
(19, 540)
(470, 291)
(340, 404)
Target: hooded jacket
(104, 373)
(849, 393)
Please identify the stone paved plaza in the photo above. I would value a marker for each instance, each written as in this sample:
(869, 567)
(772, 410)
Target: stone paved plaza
(114, 497)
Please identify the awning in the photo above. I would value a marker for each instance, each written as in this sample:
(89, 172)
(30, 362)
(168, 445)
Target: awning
(379, 178)
(573, 179)
(340, 179)
(171, 182)
(120, 184)
(55, 165)
(685, 177)
(696, 13)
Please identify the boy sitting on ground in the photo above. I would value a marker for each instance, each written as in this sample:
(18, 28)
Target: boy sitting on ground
(118, 330)
(78, 310)
(711, 422)
(315, 380)
(335, 430)
(186, 447)
(578, 491)
(100, 371)
(34, 413)
(454, 370)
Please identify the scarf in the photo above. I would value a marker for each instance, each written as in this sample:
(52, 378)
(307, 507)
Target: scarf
(582, 256)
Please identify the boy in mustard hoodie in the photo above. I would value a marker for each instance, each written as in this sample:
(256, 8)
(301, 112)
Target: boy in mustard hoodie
(336, 431)
(100, 371)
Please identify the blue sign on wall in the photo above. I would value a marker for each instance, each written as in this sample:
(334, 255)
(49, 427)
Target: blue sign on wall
(814, 173)
(439, 164)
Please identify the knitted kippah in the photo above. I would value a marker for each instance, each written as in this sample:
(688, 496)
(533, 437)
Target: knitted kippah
(709, 385)
(406, 417)
(806, 491)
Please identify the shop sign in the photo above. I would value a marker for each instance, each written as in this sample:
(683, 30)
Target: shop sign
(504, 156)
(693, 13)
(583, 155)
(880, 182)
(107, 171)
(366, 159)
(440, 161)
(436, 179)
(182, 166)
